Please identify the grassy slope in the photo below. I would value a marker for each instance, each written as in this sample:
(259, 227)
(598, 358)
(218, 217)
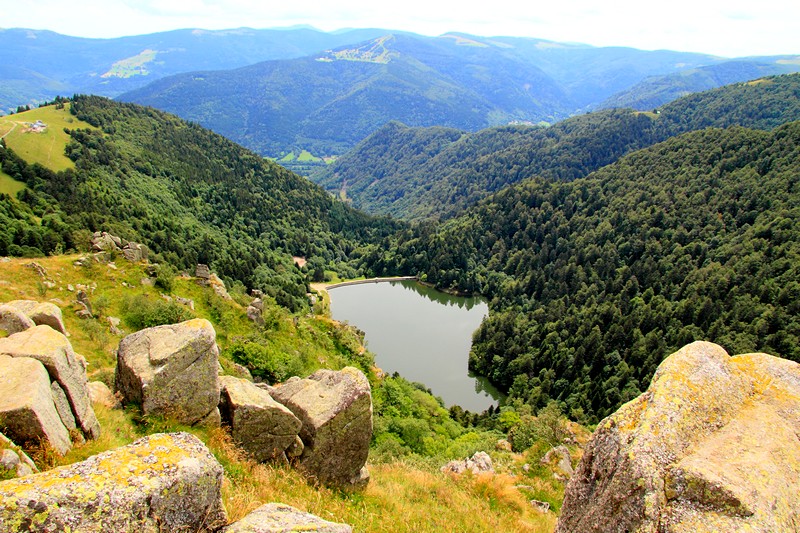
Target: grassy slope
(47, 147)
(402, 496)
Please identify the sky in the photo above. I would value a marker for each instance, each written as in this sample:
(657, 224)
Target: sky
(729, 28)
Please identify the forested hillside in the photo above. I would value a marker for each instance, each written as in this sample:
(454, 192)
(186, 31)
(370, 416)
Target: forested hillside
(656, 91)
(188, 194)
(593, 281)
(417, 174)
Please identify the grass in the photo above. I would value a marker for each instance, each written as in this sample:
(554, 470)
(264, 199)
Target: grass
(47, 147)
(407, 494)
(9, 185)
(132, 66)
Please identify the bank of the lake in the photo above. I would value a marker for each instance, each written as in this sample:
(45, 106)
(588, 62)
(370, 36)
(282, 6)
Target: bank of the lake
(423, 334)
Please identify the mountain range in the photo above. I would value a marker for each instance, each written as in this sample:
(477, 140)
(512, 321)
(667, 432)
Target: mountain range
(281, 92)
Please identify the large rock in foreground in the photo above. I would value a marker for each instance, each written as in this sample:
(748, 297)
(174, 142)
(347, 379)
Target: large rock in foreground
(335, 408)
(260, 425)
(712, 445)
(172, 371)
(27, 411)
(163, 482)
(64, 366)
(280, 518)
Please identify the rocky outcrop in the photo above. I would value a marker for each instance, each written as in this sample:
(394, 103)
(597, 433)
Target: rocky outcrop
(260, 425)
(163, 482)
(712, 445)
(27, 411)
(41, 313)
(479, 462)
(560, 461)
(13, 320)
(172, 371)
(106, 242)
(280, 518)
(335, 408)
(63, 365)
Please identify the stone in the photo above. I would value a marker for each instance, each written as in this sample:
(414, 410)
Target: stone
(39, 269)
(171, 370)
(254, 314)
(479, 462)
(503, 445)
(712, 445)
(202, 271)
(218, 286)
(83, 299)
(24, 465)
(42, 313)
(540, 506)
(100, 393)
(62, 406)
(188, 302)
(113, 325)
(240, 371)
(13, 320)
(280, 518)
(105, 242)
(135, 252)
(162, 482)
(260, 425)
(27, 413)
(560, 460)
(8, 459)
(55, 352)
(335, 408)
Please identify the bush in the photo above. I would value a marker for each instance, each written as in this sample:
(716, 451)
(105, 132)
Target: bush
(548, 426)
(266, 362)
(142, 311)
(165, 278)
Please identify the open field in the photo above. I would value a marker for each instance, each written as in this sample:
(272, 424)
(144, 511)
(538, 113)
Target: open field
(45, 147)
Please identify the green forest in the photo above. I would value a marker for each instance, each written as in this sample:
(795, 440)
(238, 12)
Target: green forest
(188, 194)
(596, 267)
(593, 282)
(423, 173)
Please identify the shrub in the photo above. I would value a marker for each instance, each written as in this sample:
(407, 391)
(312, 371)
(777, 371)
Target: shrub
(142, 311)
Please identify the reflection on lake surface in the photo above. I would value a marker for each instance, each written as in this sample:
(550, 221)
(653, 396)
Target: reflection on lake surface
(423, 334)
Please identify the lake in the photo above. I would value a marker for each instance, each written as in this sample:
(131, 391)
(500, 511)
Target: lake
(423, 334)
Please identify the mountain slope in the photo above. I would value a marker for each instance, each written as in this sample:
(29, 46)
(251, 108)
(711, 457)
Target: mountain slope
(328, 102)
(656, 91)
(38, 65)
(592, 281)
(385, 176)
(188, 194)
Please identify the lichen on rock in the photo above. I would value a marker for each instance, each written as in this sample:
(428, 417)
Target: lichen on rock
(712, 445)
(163, 482)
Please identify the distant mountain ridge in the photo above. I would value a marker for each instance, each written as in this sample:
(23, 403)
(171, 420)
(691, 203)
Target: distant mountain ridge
(327, 102)
(656, 91)
(39, 64)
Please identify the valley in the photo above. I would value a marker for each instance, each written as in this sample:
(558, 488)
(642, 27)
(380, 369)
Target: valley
(615, 221)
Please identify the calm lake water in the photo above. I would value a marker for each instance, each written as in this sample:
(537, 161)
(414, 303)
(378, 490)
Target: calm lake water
(423, 334)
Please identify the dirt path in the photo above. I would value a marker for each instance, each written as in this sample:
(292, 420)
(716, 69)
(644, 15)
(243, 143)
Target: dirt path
(9, 131)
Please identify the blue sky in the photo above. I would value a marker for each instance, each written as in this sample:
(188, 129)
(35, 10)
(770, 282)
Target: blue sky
(728, 28)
